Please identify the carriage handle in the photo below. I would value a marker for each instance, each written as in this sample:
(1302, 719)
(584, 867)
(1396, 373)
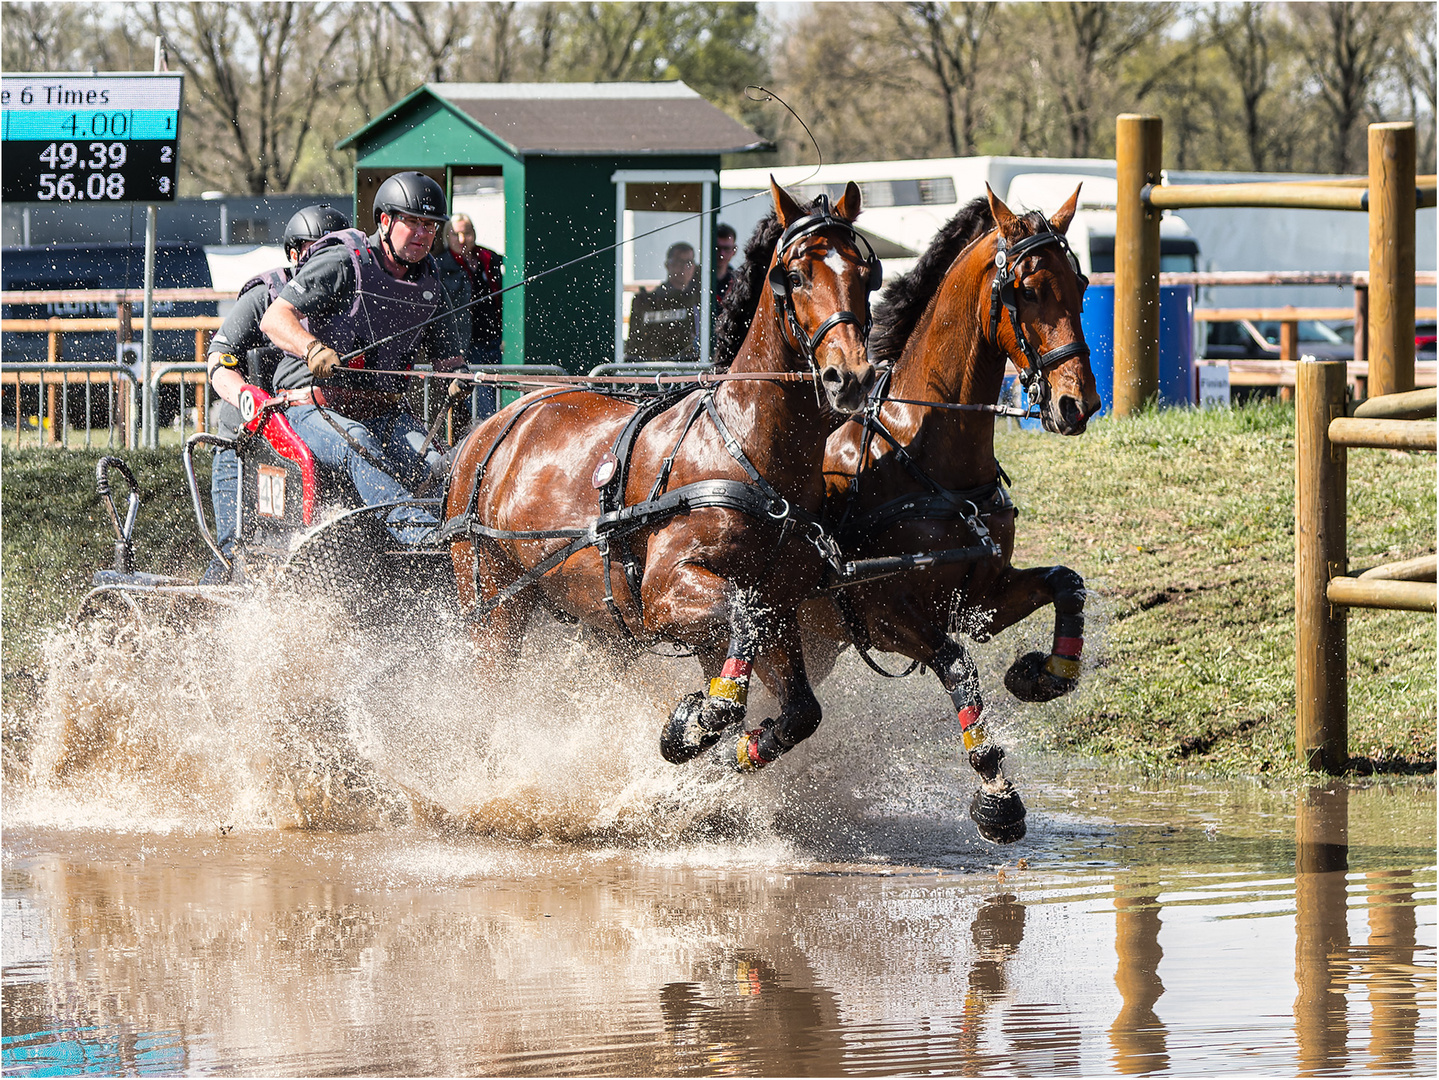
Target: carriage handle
(204, 437)
(123, 560)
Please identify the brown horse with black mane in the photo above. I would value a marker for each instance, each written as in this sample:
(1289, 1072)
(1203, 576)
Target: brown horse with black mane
(919, 476)
(693, 520)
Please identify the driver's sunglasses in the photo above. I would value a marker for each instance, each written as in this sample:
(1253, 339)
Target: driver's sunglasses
(417, 224)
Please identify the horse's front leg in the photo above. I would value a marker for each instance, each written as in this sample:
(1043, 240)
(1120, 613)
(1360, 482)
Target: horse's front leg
(996, 808)
(1035, 676)
(799, 711)
(700, 718)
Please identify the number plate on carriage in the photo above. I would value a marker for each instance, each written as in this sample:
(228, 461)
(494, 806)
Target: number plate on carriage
(271, 492)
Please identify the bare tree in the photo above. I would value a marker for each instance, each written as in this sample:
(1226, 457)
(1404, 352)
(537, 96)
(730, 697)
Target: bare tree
(947, 40)
(66, 37)
(1090, 39)
(1346, 47)
(255, 75)
(439, 33)
(1242, 32)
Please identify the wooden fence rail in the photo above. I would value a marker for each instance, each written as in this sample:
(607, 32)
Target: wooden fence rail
(1323, 586)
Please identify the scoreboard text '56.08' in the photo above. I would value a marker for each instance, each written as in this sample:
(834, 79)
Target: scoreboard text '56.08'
(111, 137)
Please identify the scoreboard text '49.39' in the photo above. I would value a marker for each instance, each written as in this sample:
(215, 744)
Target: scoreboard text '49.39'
(111, 137)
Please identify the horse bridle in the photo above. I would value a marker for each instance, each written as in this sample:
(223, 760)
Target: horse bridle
(821, 218)
(1002, 294)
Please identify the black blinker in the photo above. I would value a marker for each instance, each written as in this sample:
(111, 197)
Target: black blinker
(779, 282)
(876, 275)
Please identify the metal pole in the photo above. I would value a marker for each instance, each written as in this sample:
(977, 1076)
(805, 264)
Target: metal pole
(1321, 686)
(1139, 144)
(1392, 201)
(148, 420)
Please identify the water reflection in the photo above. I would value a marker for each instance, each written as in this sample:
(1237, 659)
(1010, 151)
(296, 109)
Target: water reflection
(1137, 1035)
(1388, 966)
(1121, 949)
(1321, 928)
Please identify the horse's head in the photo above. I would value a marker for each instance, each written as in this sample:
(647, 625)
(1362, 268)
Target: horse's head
(821, 277)
(1037, 284)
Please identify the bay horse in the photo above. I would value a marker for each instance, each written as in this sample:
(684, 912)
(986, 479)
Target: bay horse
(920, 479)
(694, 521)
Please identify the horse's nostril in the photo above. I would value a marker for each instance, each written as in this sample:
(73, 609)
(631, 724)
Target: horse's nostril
(867, 379)
(1070, 411)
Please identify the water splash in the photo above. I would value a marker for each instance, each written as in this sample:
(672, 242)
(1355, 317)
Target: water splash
(284, 714)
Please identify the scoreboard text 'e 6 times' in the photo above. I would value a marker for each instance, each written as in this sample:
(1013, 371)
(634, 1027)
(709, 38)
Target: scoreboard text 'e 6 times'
(90, 138)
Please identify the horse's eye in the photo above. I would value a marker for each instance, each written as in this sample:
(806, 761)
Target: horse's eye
(1030, 294)
(795, 279)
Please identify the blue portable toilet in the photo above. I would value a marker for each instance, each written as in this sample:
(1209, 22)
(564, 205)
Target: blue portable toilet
(1176, 348)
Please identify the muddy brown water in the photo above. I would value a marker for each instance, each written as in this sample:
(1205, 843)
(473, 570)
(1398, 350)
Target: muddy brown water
(512, 883)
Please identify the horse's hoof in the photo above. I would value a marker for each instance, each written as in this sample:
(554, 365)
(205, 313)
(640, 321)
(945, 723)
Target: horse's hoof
(999, 814)
(692, 729)
(1029, 680)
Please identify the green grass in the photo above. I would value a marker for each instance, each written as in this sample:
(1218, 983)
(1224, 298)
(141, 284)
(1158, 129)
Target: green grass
(54, 535)
(1181, 522)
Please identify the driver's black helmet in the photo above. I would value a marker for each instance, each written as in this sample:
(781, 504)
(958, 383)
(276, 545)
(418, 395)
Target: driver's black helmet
(411, 193)
(311, 223)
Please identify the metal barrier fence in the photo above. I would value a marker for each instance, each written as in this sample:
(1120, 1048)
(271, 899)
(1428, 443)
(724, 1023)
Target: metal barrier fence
(1323, 587)
(53, 383)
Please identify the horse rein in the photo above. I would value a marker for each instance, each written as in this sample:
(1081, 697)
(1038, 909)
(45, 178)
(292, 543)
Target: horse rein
(1002, 294)
(821, 218)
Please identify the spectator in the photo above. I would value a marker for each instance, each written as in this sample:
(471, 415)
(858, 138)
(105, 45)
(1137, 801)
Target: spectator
(664, 324)
(725, 246)
(470, 271)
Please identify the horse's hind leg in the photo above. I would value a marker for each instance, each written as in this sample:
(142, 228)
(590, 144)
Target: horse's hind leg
(700, 718)
(480, 574)
(1035, 676)
(996, 808)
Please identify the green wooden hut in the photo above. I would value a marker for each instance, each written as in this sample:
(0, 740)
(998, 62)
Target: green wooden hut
(580, 168)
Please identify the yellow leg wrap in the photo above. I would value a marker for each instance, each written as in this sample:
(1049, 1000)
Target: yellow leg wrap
(729, 689)
(974, 736)
(1062, 667)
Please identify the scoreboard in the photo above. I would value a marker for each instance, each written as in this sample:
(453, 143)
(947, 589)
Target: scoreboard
(90, 138)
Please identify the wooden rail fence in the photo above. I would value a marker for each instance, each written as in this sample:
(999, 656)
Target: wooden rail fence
(1323, 586)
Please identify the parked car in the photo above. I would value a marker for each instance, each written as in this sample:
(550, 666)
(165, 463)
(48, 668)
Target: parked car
(1424, 341)
(1241, 339)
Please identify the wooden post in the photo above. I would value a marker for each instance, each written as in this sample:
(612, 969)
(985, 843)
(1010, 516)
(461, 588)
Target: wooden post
(1138, 159)
(1321, 686)
(53, 353)
(1392, 200)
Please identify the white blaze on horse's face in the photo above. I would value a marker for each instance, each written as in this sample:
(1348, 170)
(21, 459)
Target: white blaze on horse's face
(826, 293)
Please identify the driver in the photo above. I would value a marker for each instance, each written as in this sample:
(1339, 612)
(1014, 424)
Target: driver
(238, 334)
(377, 301)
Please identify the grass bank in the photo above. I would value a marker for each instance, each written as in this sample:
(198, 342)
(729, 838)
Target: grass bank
(1181, 522)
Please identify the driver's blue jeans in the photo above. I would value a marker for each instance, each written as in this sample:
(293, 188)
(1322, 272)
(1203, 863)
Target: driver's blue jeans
(392, 439)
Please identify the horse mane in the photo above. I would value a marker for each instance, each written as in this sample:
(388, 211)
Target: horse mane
(905, 298)
(742, 301)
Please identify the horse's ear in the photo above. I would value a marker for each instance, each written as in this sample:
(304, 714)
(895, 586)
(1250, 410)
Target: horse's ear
(848, 206)
(1065, 214)
(785, 208)
(1003, 216)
